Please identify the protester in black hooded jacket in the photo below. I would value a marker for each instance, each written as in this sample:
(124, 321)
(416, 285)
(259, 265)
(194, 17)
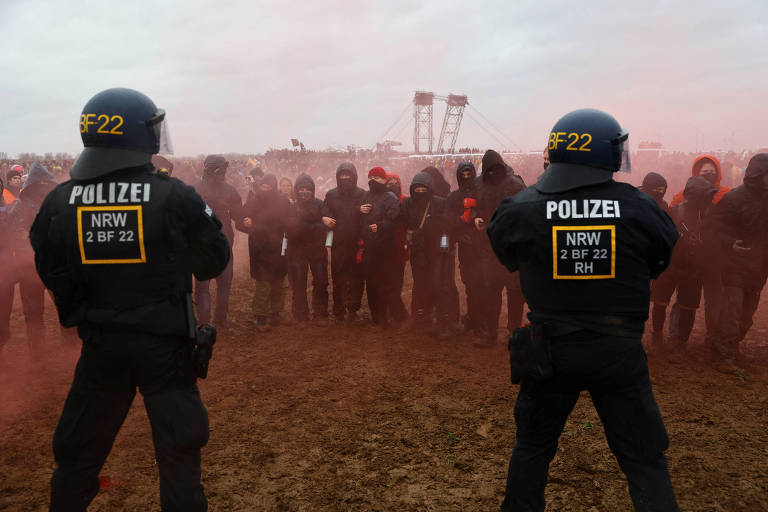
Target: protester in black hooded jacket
(461, 209)
(447, 261)
(267, 216)
(227, 205)
(497, 181)
(341, 214)
(439, 185)
(687, 267)
(379, 213)
(424, 215)
(739, 226)
(655, 185)
(21, 215)
(306, 252)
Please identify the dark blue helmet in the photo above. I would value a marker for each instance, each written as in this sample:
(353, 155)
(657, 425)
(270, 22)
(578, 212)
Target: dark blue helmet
(120, 128)
(585, 148)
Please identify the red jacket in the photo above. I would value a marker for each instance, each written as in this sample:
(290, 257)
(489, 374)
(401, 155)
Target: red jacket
(697, 164)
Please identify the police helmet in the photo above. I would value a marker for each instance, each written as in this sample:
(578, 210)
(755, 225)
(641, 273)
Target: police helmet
(585, 147)
(120, 128)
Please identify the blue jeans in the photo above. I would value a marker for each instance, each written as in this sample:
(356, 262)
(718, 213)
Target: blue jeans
(614, 370)
(203, 297)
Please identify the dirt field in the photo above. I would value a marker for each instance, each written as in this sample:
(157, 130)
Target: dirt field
(353, 418)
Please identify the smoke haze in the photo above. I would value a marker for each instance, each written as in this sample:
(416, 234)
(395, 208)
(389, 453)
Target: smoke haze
(244, 76)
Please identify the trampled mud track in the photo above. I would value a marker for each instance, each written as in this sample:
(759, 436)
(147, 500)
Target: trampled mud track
(353, 418)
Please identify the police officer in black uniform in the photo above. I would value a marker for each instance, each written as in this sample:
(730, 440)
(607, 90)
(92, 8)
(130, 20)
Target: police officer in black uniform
(118, 245)
(586, 247)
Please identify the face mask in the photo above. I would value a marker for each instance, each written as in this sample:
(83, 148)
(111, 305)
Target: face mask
(420, 196)
(710, 177)
(376, 187)
(394, 189)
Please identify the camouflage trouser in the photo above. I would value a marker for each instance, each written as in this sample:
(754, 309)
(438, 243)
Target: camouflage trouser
(268, 297)
(734, 321)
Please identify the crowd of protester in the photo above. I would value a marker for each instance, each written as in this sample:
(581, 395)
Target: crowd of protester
(355, 220)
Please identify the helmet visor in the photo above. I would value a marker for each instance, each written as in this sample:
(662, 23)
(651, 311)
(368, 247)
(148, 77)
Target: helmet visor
(159, 124)
(622, 147)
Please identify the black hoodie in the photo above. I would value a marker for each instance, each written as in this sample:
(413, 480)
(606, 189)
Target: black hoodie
(742, 214)
(425, 240)
(690, 256)
(343, 205)
(651, 182)
(271, 217)
(463, 232)
(222, 197)
(307, 233)
(497, 181)
(440, 186)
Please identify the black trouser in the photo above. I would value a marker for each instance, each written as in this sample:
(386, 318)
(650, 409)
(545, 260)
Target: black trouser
(348, 282)
(498, 278)
(399, 313)
(381, 283)
(734, 321)
(434, 288)
(110, 368)
(615, 372)
(471, 272)
(299, 266)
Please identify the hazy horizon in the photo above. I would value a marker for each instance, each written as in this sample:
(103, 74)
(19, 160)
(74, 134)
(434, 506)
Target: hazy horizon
(252, 75)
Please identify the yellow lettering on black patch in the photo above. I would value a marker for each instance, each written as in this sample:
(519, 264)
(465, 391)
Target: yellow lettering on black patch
(584, 252)
(110, 235)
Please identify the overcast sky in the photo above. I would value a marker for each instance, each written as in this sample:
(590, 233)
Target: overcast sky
(246, 75)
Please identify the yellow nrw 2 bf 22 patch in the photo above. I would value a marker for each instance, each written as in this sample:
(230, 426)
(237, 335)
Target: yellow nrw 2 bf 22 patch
(110, 235)
(583, 252)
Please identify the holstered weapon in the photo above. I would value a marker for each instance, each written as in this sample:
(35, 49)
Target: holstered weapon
(203, 339)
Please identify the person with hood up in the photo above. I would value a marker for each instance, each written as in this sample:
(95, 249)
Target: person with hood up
(266, 218)
(306, 252)
(739, 225)
(441, 187)
(379, 212)
(686, 270)
(341, 215)
(399, 313)
(497, 181)
(461, 207)
(428, 232)
(21, 215)
(226, 204)
(655, 185)
(13, 182)
(708, 167)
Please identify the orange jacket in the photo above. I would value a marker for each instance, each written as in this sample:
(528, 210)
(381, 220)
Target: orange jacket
(8, 197)
(697, 164)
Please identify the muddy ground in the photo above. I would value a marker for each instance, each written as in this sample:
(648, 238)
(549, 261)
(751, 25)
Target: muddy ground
(352, 418)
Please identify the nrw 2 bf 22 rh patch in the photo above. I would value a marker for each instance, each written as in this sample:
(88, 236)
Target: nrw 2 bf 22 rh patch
(111, 234)
(583, 252)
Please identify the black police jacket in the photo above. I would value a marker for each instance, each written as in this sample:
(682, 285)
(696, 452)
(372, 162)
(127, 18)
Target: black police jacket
(586, 252)
(120, 251)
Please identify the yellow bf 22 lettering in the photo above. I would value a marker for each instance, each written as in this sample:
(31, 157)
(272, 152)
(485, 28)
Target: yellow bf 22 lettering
(576, 141)
(102, 120)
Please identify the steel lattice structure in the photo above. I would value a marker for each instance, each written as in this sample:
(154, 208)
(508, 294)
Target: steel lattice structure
(422, 120)
(454, 113)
